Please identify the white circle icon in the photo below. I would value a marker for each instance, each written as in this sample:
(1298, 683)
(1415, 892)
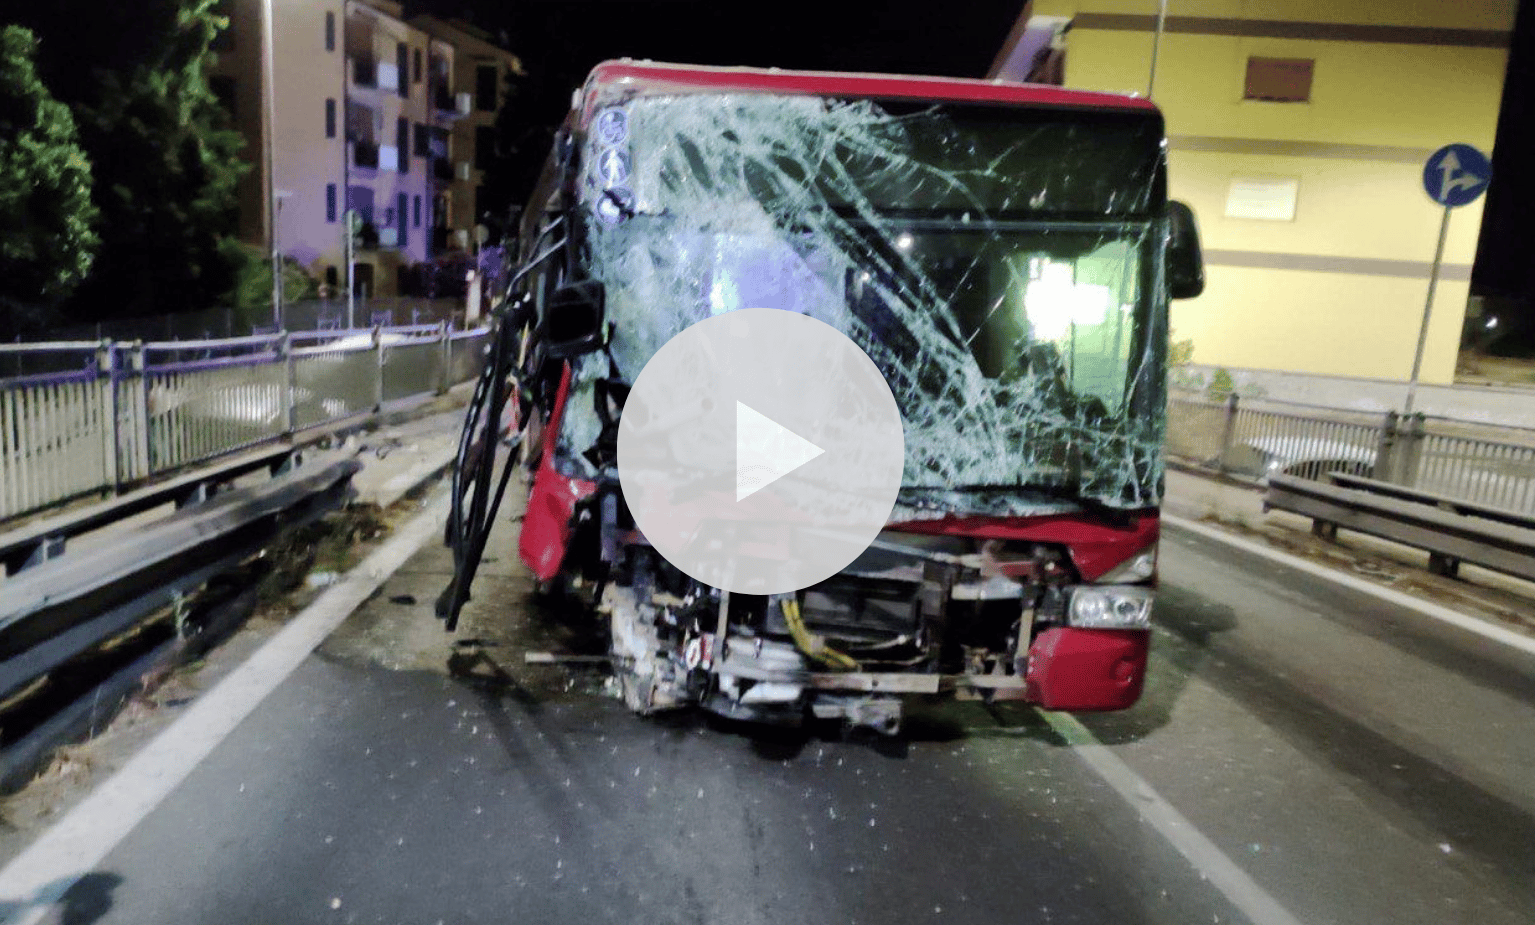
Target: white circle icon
(760, 451)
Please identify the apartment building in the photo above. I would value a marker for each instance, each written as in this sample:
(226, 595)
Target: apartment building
(1298, 131)
(365, 111)
(483, 69)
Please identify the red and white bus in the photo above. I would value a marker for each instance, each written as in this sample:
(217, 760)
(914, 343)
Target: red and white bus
(1004, 253)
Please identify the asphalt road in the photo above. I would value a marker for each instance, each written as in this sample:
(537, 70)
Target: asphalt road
(1360, 763)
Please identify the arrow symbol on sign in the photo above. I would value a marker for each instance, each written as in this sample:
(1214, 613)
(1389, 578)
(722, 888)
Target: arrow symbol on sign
(1449, 183)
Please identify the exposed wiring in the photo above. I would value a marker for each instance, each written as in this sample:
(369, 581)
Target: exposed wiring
(812, 646)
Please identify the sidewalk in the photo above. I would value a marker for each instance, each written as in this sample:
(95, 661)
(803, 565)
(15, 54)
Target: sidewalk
(399, 458)
(1237, 508)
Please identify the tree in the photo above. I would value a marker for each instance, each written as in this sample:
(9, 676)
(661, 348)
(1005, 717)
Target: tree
(46, 240)
(166, 161)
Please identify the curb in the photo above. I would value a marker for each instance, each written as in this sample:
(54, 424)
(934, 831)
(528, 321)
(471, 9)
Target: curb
(411, 481)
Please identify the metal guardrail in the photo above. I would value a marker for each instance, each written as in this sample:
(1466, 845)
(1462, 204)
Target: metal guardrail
(1260, 439)
(1450, 531)
(42, 540)
(72, 623)
(83, 417)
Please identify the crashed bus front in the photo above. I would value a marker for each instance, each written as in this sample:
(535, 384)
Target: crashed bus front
(1003, 253)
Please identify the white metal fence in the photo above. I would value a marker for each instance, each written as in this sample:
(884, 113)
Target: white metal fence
(84, 416)
(1254, 439)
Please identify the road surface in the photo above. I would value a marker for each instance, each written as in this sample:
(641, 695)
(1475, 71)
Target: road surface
(1303, 753)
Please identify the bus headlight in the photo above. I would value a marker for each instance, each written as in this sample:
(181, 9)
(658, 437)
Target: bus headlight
(1110, 607)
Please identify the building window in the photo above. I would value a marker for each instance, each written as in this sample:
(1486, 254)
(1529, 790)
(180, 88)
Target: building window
(415, 65)
(416, 212)
(330, 118)
(402, 66)
(402, 215)
(360, 200)
(330, 202)
(485, 88)
(361, 123)
(423, 141)
(224, 89)
(330, 31)
(1279, 80)
(484, 146)
(402, 142)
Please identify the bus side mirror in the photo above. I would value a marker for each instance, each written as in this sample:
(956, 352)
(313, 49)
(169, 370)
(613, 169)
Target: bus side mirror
(1185, 263)
(573, 319)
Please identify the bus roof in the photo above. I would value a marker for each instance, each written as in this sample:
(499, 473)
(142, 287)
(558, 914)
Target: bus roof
(658, 77)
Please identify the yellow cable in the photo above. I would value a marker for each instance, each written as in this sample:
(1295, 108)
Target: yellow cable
(814, 647)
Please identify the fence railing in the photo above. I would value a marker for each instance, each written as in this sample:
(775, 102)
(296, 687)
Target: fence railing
(1255, 439)
(84, 417)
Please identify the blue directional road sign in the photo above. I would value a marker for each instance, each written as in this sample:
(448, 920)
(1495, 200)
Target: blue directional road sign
(1456, 174)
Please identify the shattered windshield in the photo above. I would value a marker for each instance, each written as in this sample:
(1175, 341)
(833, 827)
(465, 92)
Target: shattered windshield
(1000, 265)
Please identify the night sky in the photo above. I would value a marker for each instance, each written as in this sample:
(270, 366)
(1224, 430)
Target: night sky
(559, 41)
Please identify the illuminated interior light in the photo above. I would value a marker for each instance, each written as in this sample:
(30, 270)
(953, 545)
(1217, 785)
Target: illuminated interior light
(1053, 303)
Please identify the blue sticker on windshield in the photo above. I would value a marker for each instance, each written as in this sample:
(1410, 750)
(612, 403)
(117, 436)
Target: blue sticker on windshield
(613, 167)
(615, 205)
(612, 127)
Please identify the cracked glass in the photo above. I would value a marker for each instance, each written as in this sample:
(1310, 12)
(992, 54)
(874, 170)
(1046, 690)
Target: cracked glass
(1002, 265)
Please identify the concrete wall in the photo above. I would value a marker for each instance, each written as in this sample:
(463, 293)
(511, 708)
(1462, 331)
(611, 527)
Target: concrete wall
(1339, 289)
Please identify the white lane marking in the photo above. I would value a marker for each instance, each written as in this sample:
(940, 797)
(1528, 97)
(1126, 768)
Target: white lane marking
(1218, 869)
(38, 877)
(1434, 611)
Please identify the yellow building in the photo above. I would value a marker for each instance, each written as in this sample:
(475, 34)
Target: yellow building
(1298, 131)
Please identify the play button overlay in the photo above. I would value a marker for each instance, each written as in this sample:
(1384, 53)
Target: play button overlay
(760, 451)
(766, 451)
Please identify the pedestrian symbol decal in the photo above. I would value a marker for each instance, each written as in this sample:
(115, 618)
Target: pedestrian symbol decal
(613, 167)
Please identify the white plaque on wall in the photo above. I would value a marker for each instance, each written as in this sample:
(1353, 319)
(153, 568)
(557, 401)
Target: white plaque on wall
(1267, 198)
